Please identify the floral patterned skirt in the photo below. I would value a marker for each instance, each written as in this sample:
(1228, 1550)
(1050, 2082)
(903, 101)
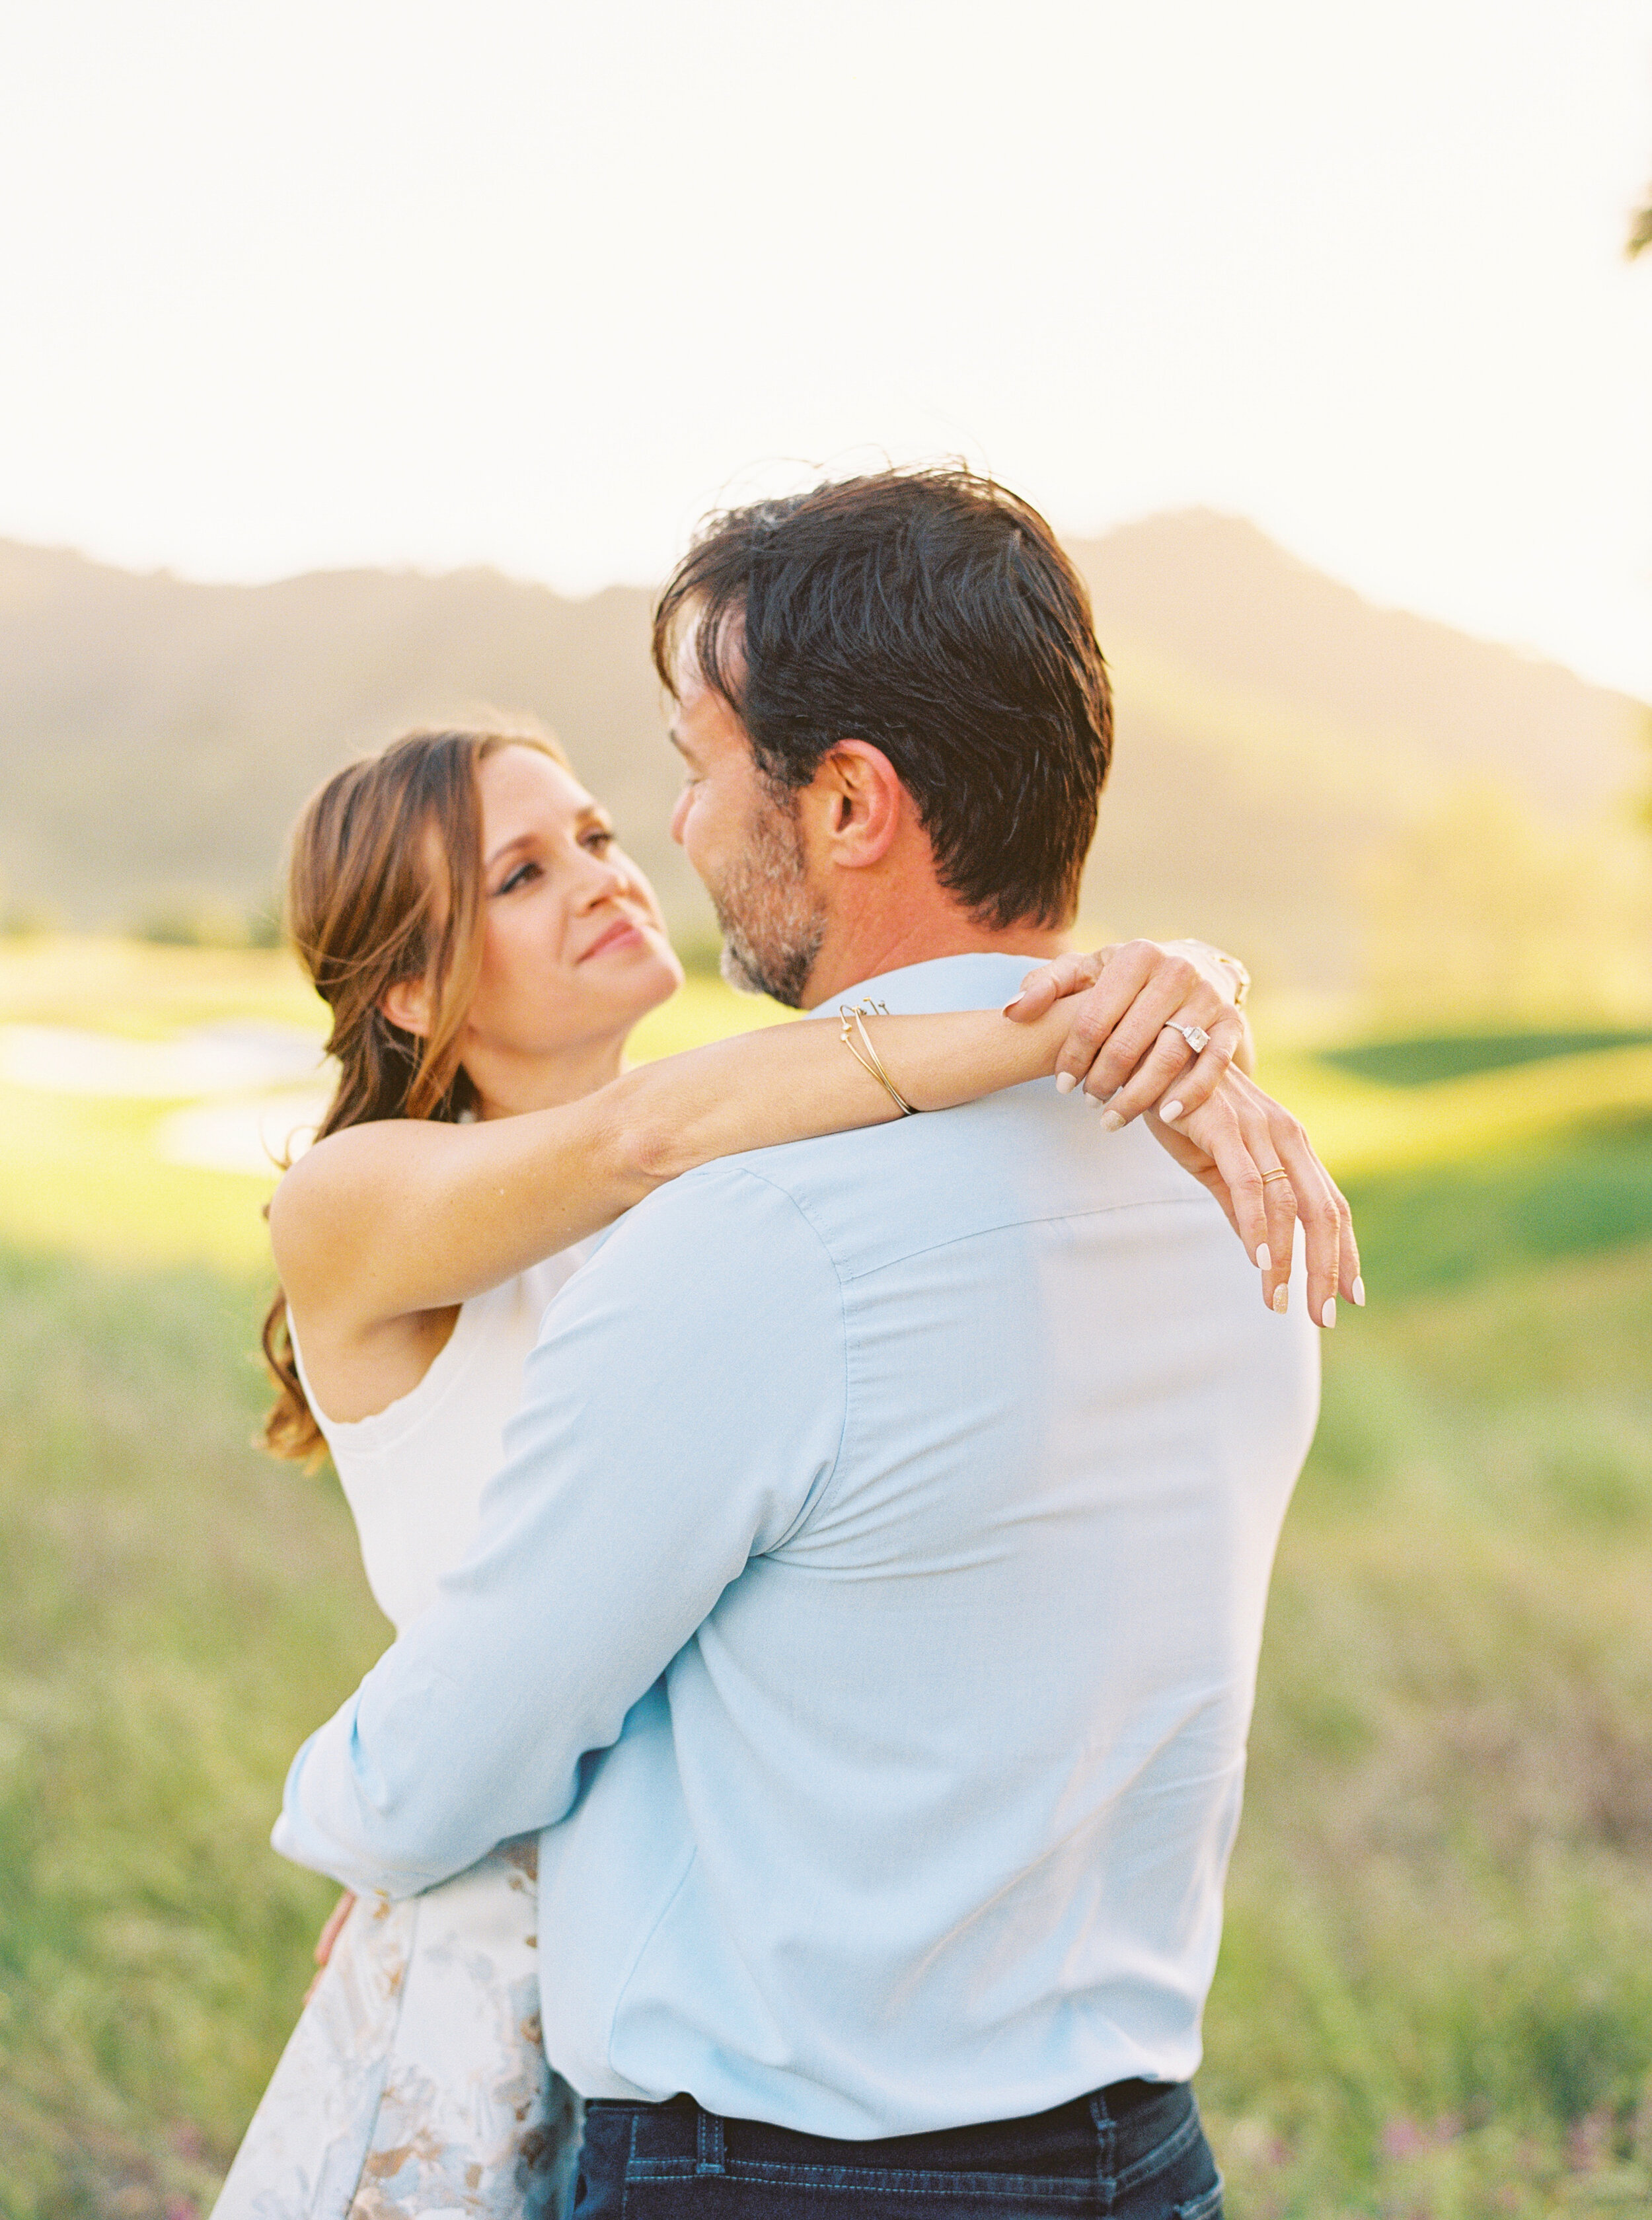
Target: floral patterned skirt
(415, 2086)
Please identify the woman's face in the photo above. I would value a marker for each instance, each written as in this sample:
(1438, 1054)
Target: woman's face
(574, 949)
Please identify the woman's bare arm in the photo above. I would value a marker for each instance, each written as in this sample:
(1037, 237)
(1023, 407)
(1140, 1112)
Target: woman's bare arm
(406, 1215)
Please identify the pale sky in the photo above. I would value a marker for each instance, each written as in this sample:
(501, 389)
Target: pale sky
(328, 281)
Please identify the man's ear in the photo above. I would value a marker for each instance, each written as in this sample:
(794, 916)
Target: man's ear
(857, 803)
(406, 1003)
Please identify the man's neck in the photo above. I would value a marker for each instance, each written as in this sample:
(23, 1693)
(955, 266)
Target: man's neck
(855, 952)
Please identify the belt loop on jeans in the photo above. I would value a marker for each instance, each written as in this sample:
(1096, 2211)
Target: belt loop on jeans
(709, 2153)
(1106, 2146)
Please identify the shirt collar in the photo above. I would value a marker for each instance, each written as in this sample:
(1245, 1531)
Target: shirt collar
(982, 980)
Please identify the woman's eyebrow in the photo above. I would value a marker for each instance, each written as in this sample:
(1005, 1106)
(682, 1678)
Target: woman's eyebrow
(508, 847)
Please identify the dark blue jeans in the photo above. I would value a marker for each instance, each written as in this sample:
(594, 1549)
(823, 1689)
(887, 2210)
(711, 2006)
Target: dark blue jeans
(1135, 2151)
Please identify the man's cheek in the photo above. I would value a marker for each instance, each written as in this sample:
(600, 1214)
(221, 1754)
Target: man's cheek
(699, 835)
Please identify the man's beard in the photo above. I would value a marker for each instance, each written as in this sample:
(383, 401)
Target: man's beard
(773, 926)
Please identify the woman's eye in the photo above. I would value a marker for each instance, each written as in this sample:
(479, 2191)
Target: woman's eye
(519, 878)
(598, 841)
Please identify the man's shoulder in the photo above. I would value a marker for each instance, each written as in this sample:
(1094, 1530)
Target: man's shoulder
(878, 1194)
(716, 1211)
(707, 1264)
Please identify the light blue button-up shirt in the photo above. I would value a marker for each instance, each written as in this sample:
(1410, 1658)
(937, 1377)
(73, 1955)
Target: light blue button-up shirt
(872, 1597)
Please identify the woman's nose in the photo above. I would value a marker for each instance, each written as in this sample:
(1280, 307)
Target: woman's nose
(608, 876)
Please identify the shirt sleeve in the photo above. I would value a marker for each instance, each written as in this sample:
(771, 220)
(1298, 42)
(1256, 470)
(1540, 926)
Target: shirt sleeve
(682, 1411)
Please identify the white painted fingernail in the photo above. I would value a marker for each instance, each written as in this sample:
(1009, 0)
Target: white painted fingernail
(1359, 1292)
(1111, 1121)
(1170, 1112)
(1281, 1300)
(1010, 1006)
(1090, 1102)
(1264, 1257)
(1328, 1316)
(1066, 1081)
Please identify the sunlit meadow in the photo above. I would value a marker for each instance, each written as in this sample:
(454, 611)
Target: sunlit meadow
(1435, 1992)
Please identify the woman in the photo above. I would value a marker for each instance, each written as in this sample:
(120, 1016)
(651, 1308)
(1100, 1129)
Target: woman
(485, 948)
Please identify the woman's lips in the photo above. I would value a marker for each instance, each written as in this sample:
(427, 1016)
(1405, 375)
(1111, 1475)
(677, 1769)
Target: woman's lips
(622, 933)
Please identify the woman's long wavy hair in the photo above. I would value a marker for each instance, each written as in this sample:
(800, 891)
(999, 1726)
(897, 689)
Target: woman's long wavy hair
(385, 883)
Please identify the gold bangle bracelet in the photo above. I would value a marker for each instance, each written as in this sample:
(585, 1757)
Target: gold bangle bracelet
(1241, 977)
(853, 1015)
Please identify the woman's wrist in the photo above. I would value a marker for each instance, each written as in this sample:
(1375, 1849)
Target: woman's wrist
(1033, 1050)
(973, 1053)
(1241, 975)
(1226, 973)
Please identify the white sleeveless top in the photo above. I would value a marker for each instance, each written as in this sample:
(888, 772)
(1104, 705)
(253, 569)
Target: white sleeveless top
(413, 1474)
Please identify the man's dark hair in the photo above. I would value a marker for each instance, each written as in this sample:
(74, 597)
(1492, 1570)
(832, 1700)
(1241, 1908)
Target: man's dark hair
(933, 615)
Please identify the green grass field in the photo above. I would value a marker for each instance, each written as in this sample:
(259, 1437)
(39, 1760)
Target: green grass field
(1435, 1992)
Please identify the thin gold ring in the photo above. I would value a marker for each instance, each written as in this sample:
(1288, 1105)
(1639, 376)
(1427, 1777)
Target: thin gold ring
(1278, 1172)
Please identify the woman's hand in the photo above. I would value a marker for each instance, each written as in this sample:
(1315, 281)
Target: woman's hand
(328, 1936)
(1122, 1046)
(1230, 1144)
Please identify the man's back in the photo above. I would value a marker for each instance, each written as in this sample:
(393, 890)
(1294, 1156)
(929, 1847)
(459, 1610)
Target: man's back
(926, 1821)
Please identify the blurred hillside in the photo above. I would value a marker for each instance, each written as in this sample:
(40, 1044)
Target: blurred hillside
(1293, 762)
(1357, 796)
(157, 737)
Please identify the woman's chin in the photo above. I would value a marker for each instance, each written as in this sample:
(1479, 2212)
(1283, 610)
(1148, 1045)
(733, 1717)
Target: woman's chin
(657, 979)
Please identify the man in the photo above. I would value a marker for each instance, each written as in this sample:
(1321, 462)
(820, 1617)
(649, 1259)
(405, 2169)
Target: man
(874, 1589)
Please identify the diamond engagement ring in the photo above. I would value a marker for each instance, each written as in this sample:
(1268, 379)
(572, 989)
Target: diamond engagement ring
(1195, 1036)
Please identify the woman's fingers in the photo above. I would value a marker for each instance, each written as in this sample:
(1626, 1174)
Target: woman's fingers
(1125, 1003)
(1320, 1209)
(1064, 975)
(1149, 1055)
(1116, 1025)
(329, 1934)
(1127, 1046)
(1334, 1205)
(1259, 1165)
(1348, 1251)
(1297, 1190)
(1224, 1145)
(1161, 986)
(1280, 1207)
(1174, 1074)
(1164, 1062)
(1234, 1159)
(1093, 1019)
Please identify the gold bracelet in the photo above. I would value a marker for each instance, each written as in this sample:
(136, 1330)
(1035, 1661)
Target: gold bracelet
(1242, 978)
(853, 1014)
